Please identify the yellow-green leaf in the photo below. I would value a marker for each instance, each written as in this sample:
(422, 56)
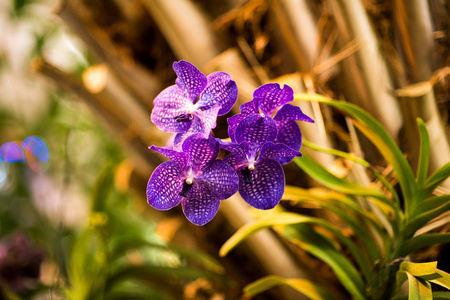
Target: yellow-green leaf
(303, 286)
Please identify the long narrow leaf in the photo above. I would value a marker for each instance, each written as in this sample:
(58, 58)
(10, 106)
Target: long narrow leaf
(443, 281)
(422, 241)
(303, 286)
(337, 261)
(321, 247)
(439, 176)
(375, 132)
(424, 154)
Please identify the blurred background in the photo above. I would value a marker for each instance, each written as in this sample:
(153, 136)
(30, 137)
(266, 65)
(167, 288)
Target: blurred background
(81, 75)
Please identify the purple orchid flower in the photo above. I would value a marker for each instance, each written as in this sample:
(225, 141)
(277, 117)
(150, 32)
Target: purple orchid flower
(175, 109)
(255, 159)
(267, 99)
(193, 177)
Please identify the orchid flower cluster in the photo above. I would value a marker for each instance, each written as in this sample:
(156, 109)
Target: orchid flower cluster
(262, 137)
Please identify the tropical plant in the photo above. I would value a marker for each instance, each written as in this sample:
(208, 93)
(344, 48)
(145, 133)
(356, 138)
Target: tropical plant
(379, 225)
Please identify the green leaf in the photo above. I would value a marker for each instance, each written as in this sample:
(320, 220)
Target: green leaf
(441, 295)
(419, 289)
(443, 281)
(321, 247)
(376, 133)
(417, 222)
(353, 215)
(323, 176)
(421, 241)
(335, 152)
(303, 286)
(439, 176)
(418, 275)
(424, 154)
(425, 270)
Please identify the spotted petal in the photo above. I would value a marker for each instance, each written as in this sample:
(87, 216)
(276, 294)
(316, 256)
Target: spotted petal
(164, 186)
(221, 179)
(201, 151)
(256, 129)
(290, 112)
(289, 134)
(179, 158)
(271, 150)
(169, 104)
(200, 206)
(189, 79)
(233, 122)
(221, 90)
(270, 97)
(267, 185)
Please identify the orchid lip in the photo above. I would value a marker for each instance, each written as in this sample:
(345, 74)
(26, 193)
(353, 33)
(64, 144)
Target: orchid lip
(186, 188)
(187, 117)
(247, 176)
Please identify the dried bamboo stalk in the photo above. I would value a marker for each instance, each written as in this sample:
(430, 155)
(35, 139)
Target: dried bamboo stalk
(137, 80)
(414, 28)
(367, 78)
(111, 113)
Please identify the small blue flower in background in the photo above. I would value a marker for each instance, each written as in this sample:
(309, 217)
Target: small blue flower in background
(267, 99)
(11, 152)
(175, 109)
(194, 177)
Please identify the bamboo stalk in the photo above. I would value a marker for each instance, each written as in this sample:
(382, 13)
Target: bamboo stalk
(114, 117)
(414, 31)
(367, 79)
(137, 80)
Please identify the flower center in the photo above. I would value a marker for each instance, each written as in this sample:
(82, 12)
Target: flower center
(186, 117)
(187, 185)
(247, 175)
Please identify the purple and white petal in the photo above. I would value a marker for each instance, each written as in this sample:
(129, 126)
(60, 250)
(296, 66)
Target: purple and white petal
(235, 161)
(270, 97)
(289, 134)
(179, 158)
(189, 79)
(267, 185)
(167, 106)
(221, 179)
(256, 129)
(233, 122)
(202, 151)
(205, 120)
(200, 206)
(232, 147)
(271, 150)
(249, 108)
(164, 186)
(290, 112)
(221, 90)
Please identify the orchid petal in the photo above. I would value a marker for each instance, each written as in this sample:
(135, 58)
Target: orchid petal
(179, 158)
(270, 97)
(189, 79)
(256, 129)
(164, 186)
(271, 150)
(201, 151)
(289, 134)
(200, 206)
(169, 104)
(233, 122)
(290, 112)
(221, 90)
(221, 179)
(267, 185)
